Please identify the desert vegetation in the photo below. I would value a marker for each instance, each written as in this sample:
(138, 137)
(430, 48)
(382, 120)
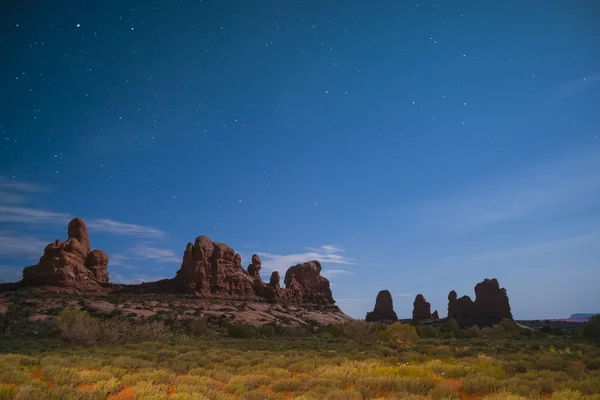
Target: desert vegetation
(78, 356)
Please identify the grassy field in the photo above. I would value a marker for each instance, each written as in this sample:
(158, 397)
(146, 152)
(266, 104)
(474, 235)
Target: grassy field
(352, 361)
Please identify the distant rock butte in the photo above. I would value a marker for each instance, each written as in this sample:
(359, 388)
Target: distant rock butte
(71, 263)
(491, 305)
(208, 269)
(422, 309)
(384, 308)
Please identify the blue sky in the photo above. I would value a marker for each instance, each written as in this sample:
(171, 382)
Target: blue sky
(412, 147)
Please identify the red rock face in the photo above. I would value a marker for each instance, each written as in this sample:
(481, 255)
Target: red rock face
(254, 268)
(70, 263)
(491, 305)
(213, 268)
(305, 284)
(421, 309)
(384, 308)
(435, 315)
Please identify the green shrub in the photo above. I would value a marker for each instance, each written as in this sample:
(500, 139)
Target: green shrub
(241, 331)
(443, 392)
(400, 333)
(429, 332)
(81, 328)
(591, 330)
(360, 331)
(6, 392)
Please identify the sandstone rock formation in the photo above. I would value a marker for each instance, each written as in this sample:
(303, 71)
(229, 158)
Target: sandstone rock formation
(491, 302)
(384, 308)
(435, 316)
(422, 309)
(213, 268)
(208, 269)
(460, 309)
(254, 268)
(71, 263)
(491, 305)
(305, 284)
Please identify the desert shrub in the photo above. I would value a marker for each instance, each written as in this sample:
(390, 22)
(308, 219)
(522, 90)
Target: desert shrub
(567, 395)
(508, 325)
(360, 331)
(429, 332)
(81, 328)
(591, 330)
(7, 320)
(6, 392)
(399, 333)
(241, 331)
(266, 330)
(343, 395)
(443, 392)
(289, 385)
(471, 332)
(452, 328)
(12, 375)
(480, 384)
(242, 384)
(505, 396)
(199, 327)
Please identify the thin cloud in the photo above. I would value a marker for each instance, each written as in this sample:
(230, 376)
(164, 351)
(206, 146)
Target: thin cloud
(568, 183)
(12, 185)
(148, 252)
(121, 228)
(333, 273)
(537, 249)
(32, 216)
(121, 261)
(7, 197)
(26, 215)
(326, 254)
(572, 88)
(18, 246)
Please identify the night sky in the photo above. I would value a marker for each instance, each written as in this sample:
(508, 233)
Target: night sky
(412, 146)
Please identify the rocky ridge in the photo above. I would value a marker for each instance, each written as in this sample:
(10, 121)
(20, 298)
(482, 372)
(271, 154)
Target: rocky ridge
(208, 270)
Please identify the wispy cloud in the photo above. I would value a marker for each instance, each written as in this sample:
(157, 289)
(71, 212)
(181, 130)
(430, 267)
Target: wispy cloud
(121, 261)
(332, 273)
(13, 193)
(325, 254)
(572, 88)
(25, 215)
(17, 186)
(121, 228)
(533, 249)
(149, 252)
(23, 245)
(550, 189)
